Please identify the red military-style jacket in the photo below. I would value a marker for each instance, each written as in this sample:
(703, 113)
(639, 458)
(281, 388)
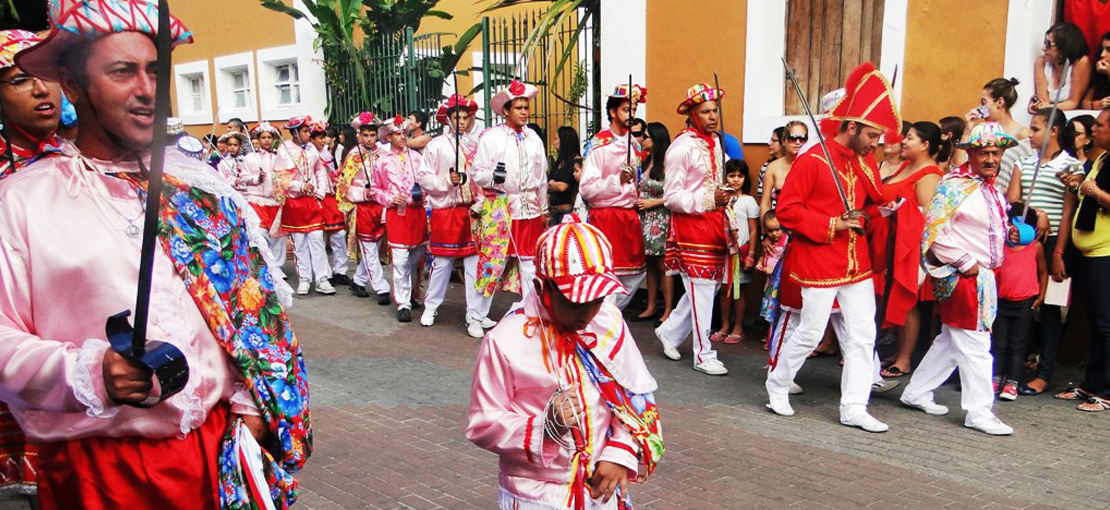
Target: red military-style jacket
(821, 256)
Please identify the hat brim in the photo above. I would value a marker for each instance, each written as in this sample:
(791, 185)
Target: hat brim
(586, 288)
(499, 100)
(44, 59)
(441, 114)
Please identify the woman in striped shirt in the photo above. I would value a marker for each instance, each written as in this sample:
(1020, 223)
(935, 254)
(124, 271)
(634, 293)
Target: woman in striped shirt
(1046, 196)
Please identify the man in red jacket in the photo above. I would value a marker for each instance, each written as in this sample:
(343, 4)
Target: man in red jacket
(828, 257)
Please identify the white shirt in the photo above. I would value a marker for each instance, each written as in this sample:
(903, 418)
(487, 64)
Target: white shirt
(525, 165)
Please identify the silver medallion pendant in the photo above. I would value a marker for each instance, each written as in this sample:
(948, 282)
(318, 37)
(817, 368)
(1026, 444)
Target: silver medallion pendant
(132, 231)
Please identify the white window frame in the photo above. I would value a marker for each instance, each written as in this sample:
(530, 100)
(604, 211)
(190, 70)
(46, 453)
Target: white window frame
(764, 94)
(225, 67)
(183, 73)
(1026, 23)
(269, 60)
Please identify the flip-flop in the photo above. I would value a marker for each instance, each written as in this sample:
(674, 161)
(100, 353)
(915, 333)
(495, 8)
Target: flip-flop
(894, 372)
(1073, 394)
(1094, 405)
(717, 336)
(734, 339)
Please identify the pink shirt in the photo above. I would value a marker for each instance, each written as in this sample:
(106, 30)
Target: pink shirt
(394, 174)
(525, 165)
(256, 177)
(976, 233)
(601, 174)
(65, 266)
(509, 396)
(304, 166)
(1018, 278)
(434, 174)
(690, 181)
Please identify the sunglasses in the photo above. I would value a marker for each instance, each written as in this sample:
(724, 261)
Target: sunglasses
(1048, 44)
(638, 134)
(797, 138)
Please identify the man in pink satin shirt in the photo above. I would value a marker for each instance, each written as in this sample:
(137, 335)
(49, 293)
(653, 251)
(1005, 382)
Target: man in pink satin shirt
(70, 238)
(560, 392)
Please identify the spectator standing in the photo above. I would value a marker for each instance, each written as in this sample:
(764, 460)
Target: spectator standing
(655, 220)
(997, 99)
(1022, 281)
(951, 130)
(797, 134)
(774, 150)
(562, 187)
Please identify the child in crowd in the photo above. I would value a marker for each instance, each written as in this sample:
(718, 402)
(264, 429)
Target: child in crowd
(769, 262)
(1022, 281)
(741, 213)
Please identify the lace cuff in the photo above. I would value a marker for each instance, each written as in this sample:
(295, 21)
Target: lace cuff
(242, 402)
(88, 388)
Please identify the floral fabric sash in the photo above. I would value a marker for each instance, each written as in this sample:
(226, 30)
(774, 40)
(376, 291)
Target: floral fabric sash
(205, 238)
(494, 230)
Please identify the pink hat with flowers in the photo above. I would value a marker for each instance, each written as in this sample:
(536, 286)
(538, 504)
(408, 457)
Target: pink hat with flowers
(394, 125)
(13, 42)
(516, 90)
(73, 21)
(578, 259)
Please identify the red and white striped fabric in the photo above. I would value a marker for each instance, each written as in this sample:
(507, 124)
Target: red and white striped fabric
(579, 259)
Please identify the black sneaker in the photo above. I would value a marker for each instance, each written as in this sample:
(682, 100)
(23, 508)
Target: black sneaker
(340, 279)
(358, 290)
(404, 315)
(383, 298)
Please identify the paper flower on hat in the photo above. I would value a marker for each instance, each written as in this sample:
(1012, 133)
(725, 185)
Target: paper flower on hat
(516, 88)
(398, 121)
(13, 42)
(988, 134)
(366, 119)
(318, 126)
(74, 20)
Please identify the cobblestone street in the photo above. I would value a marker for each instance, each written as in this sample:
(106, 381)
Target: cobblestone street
(389, 403)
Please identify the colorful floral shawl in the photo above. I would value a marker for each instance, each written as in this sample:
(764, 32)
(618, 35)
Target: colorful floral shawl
(956, 187)
(494, 231)
(350, 168)
(205, 237)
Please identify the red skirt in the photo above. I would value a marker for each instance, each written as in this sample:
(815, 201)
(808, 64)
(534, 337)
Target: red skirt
(961, 309)
(622, 227)
(696, 245)
(109, 473)
(451, 234)
(302, 214)
(266, 214)
(333, 219)
(368, 222)
(526, 235)
(17, 455)
(406, 231)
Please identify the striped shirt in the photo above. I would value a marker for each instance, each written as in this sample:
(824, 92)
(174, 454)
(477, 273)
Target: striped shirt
(1048, 196)
(1011, 158)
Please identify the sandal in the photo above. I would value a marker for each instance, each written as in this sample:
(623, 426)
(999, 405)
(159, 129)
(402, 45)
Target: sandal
(1074, 394)
(893, 372)
(734, 339)
(1094, 405)
(717, 336)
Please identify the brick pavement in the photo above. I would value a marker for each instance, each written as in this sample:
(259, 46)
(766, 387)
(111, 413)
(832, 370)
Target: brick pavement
(389, 404)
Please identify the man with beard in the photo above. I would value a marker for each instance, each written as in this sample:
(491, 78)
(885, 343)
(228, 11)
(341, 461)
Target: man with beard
(828, 256)
(696, 246)
(965, 232)
(71, 229)
(610, 184)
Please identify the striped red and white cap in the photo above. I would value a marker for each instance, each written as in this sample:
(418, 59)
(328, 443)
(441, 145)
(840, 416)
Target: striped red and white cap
(579, 259)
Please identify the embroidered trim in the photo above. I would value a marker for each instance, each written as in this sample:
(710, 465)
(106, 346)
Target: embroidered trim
(84, 389)
(528, 439)
(832, 282)
(832, 230)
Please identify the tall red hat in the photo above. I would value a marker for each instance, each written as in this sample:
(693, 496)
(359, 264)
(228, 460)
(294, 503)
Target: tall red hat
(869, 100)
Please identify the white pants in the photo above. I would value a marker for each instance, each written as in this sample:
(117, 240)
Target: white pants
(339, 259)
(405, 262)
(277, 248)
(370, 270)
(631, 284)
(857, 342)
(312, 258)
(968, 350)
(527, 274)
(790, 319)
(693, 312)
(477, 305)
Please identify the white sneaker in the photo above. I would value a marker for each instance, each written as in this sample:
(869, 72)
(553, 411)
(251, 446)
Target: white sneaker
(993, 426)
(711, 367)
(885, 385)
(795, 389)
(866, 422)
(303, 287)
(780, 404)
(930, 407)
(488, 323)
(474, 329)
(670, 352)
(428, 318)
(324, 287)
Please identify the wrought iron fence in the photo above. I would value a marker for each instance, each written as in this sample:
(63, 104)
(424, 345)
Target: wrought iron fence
(397, 75)
(564, 98)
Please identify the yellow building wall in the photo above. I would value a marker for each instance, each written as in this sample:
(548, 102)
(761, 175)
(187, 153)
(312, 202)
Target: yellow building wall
(226, 27)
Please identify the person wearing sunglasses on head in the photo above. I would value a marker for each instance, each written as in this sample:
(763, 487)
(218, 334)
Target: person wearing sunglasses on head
(795, 135)
(609, 186)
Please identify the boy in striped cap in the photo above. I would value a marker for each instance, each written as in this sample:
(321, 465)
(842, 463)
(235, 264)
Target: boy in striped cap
(560, 391)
